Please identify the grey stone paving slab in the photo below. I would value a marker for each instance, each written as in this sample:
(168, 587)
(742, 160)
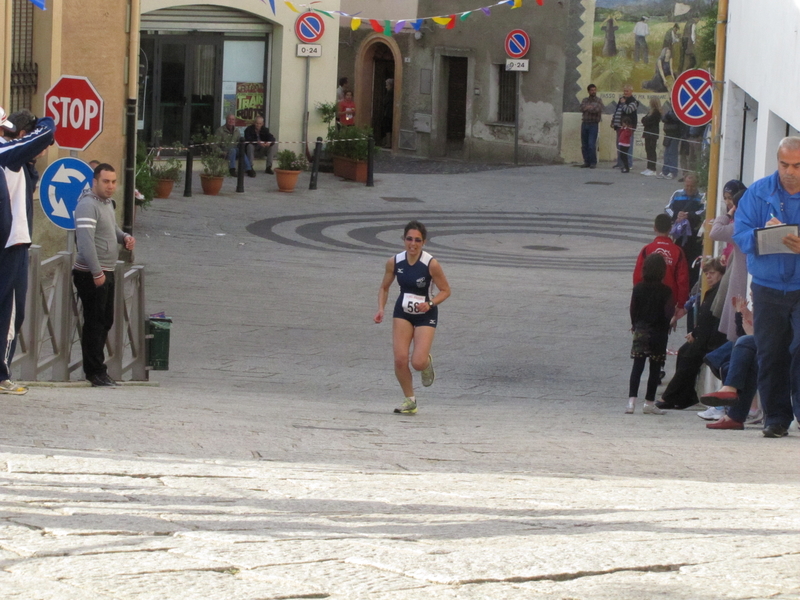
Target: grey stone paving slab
(268, 464)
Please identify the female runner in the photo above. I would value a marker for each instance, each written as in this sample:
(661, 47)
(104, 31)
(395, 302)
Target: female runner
(415, 312)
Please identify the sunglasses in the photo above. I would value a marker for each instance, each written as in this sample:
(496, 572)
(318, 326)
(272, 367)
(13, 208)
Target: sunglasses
(413, 239)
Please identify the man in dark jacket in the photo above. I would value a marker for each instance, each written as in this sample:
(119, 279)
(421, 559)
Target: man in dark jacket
(688, 207)
(16, 227)
(260, 140)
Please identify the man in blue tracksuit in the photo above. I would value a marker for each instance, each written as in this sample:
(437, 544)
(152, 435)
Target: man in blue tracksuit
(776, 287)
(16, 220)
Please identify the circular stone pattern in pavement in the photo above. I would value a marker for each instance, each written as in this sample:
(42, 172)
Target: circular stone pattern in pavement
(509, 239)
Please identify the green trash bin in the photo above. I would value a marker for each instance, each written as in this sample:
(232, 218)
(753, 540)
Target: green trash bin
(158, 343)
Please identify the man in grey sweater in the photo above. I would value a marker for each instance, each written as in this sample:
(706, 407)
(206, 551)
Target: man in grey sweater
(98, 238)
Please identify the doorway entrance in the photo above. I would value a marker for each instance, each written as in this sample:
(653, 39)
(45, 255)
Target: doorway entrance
(376, 61)
(456, 104)
(183, 86)
(382, 95)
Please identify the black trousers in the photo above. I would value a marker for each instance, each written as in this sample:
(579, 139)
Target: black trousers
(681, 388)
(98, 317)
(650, 142)
(652, 381)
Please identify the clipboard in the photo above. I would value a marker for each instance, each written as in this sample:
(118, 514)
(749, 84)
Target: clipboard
(769, 240)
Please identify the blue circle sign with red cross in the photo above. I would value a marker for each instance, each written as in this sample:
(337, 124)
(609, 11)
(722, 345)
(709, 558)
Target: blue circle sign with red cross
(692, 97)
(309, 27)
(517, 43)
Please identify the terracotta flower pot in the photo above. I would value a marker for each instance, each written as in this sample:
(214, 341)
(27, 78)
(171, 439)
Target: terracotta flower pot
(211, 185)
(347, 168)
(164, 188)
(287, 180)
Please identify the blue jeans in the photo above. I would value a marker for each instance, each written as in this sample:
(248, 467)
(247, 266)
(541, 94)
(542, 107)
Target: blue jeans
(589, 143)
(742, 374)
(233, 157)
(671, 158)
(776, 322)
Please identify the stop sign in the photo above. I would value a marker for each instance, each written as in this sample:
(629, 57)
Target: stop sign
(77, 110)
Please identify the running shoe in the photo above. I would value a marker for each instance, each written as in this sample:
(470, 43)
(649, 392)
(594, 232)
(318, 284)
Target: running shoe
(409, 407)
(714, 413)
(652, 409)
(9, 387)
(427, 373)
(754, 417)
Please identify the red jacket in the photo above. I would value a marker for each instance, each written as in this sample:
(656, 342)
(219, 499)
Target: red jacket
(677, 276)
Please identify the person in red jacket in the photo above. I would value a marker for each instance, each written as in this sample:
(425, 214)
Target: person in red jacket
(677, 276)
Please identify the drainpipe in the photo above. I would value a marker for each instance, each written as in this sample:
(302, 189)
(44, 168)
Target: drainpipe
(134, 22)
(5, 85)
(716, 125)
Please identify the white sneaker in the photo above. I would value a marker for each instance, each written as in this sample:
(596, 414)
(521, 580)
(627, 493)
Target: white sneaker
(715, 413)
(660, 176)
(648, 173)
(9, 387)
(754, 417)
(428, 375)
(631, 406)
(650, 408)
(669, 176)
(408, 407)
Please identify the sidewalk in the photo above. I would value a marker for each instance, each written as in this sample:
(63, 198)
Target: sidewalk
(268, 463)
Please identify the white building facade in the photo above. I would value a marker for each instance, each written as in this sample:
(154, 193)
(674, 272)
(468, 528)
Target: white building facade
(762, 87)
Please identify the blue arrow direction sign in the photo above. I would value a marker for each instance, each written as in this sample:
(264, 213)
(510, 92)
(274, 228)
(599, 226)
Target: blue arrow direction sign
(61, 185)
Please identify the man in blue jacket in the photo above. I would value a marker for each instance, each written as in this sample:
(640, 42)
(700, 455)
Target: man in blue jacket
(775, 200)
(16, 220)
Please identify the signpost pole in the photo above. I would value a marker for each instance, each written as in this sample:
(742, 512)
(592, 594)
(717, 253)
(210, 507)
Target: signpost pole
(517, 44)
(305, 106)
(516, 120)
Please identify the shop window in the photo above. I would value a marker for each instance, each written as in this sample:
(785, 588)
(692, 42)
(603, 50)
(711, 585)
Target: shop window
(507, 95)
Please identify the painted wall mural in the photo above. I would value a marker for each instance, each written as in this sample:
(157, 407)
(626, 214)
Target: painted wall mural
(645, 43)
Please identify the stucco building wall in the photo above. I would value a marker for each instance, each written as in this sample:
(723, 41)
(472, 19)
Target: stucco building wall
(762, 84)
(425, 60)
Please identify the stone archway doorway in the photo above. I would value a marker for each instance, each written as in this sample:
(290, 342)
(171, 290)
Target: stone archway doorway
(379, 59)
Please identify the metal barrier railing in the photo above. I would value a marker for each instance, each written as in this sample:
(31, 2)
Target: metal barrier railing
(50, 334)
(240, 164)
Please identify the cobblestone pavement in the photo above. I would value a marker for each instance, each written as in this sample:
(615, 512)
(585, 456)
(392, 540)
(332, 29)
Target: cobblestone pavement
(386, 162)
(268, 464)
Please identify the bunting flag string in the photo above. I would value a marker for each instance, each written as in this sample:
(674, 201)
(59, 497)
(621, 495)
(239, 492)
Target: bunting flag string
(389, 26)
(271, 5)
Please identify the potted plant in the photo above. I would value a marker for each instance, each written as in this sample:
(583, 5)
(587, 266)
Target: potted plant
(289, 167)
(166, 172)
(349, 147)
(327, 111)
(213, 156)
(145, 183)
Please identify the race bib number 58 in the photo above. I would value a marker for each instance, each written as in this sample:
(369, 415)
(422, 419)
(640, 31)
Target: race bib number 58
(412, 303)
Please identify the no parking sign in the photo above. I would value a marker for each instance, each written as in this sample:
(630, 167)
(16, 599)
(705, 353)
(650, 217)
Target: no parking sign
(692, 97)
(517, 43)
(309, 28)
